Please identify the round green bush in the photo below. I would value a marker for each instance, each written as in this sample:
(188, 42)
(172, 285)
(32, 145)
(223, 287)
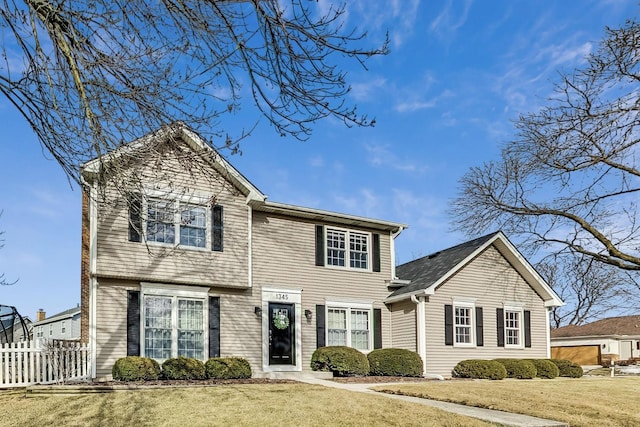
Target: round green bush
(342, 361)
(568, 368)
(480, 369)
(226, 368)
(519, 368)
(395, 362)
(135, 368)
(183, 368)
(546, 368)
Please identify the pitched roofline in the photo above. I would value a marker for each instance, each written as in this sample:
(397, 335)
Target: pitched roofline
(581, 337)
(67, 314)
(179, 129)
(326, 216)
(535, 280)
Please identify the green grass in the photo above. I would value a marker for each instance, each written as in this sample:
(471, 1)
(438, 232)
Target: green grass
(579, 402)
(238, 405)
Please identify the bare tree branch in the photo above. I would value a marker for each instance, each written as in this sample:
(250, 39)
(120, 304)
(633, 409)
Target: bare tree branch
(569, 182)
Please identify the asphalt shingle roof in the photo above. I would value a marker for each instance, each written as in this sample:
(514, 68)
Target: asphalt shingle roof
(424, 272)
(622, 325)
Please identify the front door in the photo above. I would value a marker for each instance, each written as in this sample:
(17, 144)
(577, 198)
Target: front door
(282, 344)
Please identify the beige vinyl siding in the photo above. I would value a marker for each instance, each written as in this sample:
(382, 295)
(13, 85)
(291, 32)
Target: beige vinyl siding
(403, 322)
(240, 329)
(492, 282)
(284, 257)
(119, 258)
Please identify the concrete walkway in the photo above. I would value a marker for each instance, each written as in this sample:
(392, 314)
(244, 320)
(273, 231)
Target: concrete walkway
(490, 415)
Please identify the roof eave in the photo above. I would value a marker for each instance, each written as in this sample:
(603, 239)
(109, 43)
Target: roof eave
(326, 216)
(408, 295)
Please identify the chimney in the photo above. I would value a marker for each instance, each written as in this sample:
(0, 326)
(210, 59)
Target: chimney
(40, 315)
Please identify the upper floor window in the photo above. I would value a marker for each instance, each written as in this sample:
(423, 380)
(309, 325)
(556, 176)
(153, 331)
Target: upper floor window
(346, 248)
(176, 222)
(62, 328)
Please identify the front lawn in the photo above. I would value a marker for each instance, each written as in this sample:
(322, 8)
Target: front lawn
(579, 402)
(224, 405)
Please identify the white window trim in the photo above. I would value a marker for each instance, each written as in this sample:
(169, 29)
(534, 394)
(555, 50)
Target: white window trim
(347, 249)
(195, 199)
(347, 306)
(520, 310)
(470, 304)
(175, 292)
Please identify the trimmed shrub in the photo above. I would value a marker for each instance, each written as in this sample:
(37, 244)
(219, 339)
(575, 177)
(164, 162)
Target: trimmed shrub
(183, 368)
(227, 368)
(479, 369)
(521, 369)
(342, 361)
(135, 368)
(546, 368)
(395, 362)
(568, 368)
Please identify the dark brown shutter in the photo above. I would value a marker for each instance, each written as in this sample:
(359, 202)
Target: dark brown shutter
(527, 328)
(135, 218)
(319, 245)
(479, 327)
(320, 326)
(133, 323)
(214, 326)
(217, 229)
(500, 329)
(376, 252)
(448, 324)
(377, 328)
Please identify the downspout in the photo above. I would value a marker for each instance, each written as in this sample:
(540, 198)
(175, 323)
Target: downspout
(392, 249)
(93, 284)
(250, 246)
(548, 329)
(420, 331)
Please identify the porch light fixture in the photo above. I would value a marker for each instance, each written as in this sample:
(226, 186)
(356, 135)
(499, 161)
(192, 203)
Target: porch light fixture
(258, 311)
(308, 314)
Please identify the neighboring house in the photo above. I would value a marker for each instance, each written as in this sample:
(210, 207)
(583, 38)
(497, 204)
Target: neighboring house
(477, 300)
(197, 262)
(61, 326)
(602, 341)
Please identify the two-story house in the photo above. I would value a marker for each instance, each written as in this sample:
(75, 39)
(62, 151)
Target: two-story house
(199, 263)
(183, 256)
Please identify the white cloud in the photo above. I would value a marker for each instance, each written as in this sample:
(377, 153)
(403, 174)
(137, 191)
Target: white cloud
(382, 155)
(450, 19)
(366, 90)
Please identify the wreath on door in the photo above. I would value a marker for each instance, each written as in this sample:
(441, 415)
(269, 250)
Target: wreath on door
(281, 321)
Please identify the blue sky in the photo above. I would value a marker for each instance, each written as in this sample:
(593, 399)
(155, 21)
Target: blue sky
(444, 99)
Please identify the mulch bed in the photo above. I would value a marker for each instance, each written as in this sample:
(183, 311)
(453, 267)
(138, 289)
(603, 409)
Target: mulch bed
(374, 379)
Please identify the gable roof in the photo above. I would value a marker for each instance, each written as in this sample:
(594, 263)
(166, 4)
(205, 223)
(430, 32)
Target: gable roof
(67, 314)
(427, 273)
(612, 326)
(255, 198)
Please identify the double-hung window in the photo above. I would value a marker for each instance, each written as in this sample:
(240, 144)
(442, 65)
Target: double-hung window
(346, 248)
(174, 325)
(463, 326)
(174, 222)
(349, 326)
(513, 327)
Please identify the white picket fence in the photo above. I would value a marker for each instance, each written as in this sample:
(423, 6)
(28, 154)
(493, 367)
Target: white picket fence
(40, 362)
